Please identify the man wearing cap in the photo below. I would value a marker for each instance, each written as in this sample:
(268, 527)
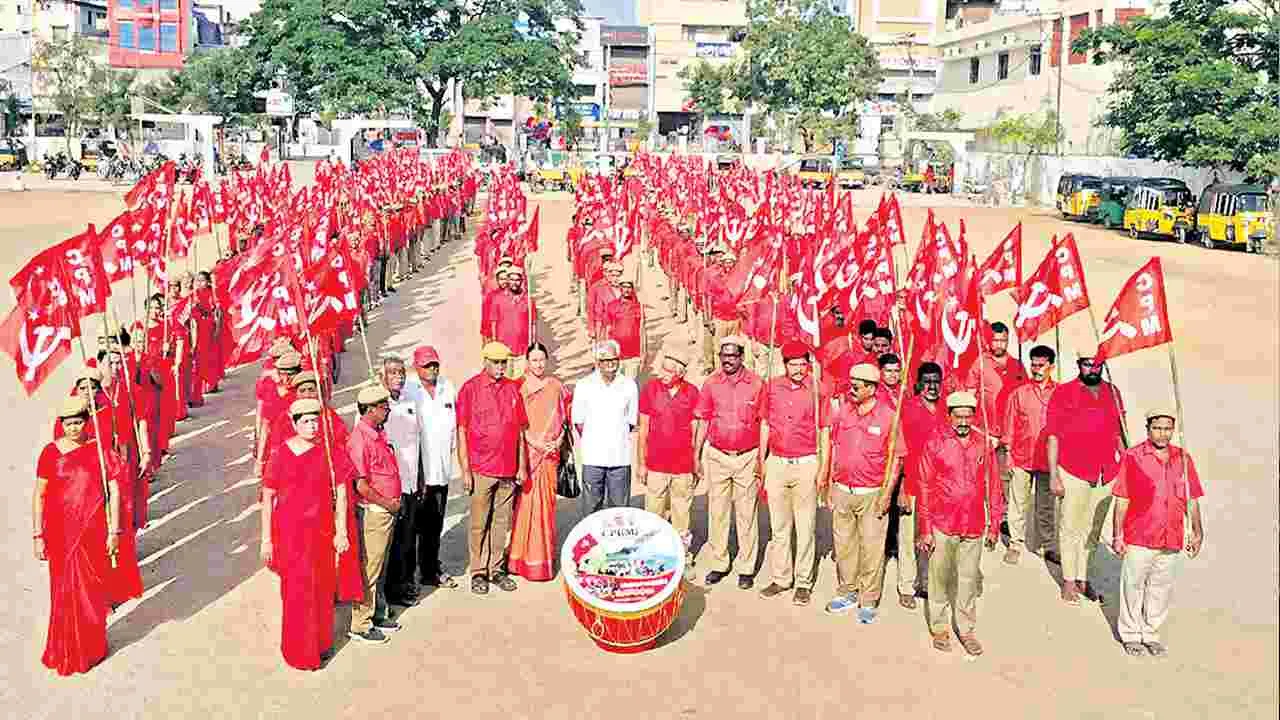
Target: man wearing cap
(722, 308)
(274, 401)
(857, 467)
(1156, 488)
(511, 315)
(1026, 408)
(959, 490)
(605, 411)
(624, 322)
(1083, 426)
(922, 416)
(491, 420)
(725, 444)
(436, 398)
(664, 445)
(377, 503)
(789, 462)
(404, 432)
(599, 295)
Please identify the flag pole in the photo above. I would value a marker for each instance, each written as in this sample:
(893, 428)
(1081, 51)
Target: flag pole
(1057, 350)
(324, 416)
(364, 340)
(1115, 395)
(1182, 440)
(773, 338)
(102, 458)
(897, 419)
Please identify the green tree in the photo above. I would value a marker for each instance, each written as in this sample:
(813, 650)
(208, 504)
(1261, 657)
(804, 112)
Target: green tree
(571, 127)
(218, 83)
(1198, 85)
(68, 77)
(711, 88)
(1027, 132)
(12, 109)
(111, 104)
(804, 60)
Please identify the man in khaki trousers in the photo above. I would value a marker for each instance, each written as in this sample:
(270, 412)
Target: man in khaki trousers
(664, 445)
(378, 502)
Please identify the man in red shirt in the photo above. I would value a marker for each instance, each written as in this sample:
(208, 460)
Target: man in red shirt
(890, 379)
(922, 416)
(599, 295)
(1156, 488)
(623, 321)
(987, 379)
(881, 343)
(491, 420)
(1026, 408)
(789, 462)
(511, 319)
(725, 443)
(959, 490)
(860, 460)
(377, 503)
(665, 445)
(867, 333)
(1083, 424)
(721, 307)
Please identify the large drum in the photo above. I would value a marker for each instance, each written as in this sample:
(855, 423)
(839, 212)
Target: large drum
(624, 577)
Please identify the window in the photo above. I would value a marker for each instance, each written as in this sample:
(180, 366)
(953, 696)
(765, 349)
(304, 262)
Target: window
(1079, 23)
(59, 33)
(147, 37)
(1034, 60)
(1002, 66)
(168, 37)
(975, 67)
(124, 4)
(168, 4)
(124, 35)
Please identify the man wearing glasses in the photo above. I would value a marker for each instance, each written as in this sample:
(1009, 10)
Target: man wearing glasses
(606, 413)
(1083, 426)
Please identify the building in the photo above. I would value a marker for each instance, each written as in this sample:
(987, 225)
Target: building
(1022, 63)
(147, 34)
(628, 107)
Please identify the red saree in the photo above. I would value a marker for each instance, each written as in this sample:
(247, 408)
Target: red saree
(207, 352)
(533, 532)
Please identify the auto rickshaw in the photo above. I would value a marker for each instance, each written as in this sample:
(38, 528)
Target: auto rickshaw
(1235, 216)
(13, 154)
(728, 162)
(1077, 194)
(1163, 207)
(850, 174)
(552, 173)
(1115, 195)
(813, 171)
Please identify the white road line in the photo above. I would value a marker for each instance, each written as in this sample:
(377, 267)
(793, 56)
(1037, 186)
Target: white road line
(196, 433)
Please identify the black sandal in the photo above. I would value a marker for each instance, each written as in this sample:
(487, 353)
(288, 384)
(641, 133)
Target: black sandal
(1134, 649)
(479, 585)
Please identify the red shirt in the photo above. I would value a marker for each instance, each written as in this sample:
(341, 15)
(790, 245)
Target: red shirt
(374, 460)
(992, 378)
(669, 444)
(509, 318)
(1157, 494)
(788, 408)
(860, 445)
(1087, 428)
(920, 420)
(724, 300)
(491, 413)
(598, 298)
(1026, 407)
(728, 404)
(887, 394)
(958, 482)
(272, 402)
(621, 322)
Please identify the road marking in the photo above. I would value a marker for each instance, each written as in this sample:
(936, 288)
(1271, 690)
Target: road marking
(196, 433)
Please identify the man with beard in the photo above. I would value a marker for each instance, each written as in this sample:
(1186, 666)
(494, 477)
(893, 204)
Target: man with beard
(1025, 410)
(664, 445)
(1083, 425)
(922, 416)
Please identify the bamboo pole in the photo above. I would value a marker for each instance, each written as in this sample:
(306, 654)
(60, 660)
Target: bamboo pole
(324, 416)
(1115, 394)
(1182, 440)
(102, 458)
(364, 340)
(897, 419)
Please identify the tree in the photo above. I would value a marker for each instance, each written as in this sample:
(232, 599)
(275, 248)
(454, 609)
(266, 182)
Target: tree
(1027, 132)
(948, 119)
(112, 105)
(67, 75)
(571, 127)
(1198, 85)
(709, 87)
(219, 83)
(804, 60)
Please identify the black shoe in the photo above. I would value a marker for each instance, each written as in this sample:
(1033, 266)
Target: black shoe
(716, 576)
(773, 590)
(1052, 557)
(407, 599)
(372, 636)
(802, 596)
(479, 585)
(504, 582)
(386, 625)
(745, 582)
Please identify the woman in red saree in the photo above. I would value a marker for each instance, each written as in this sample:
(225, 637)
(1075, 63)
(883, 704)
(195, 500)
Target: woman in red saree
(76, 531)
(533, 533)
(178, 317)
(304, 533)
(158, 372)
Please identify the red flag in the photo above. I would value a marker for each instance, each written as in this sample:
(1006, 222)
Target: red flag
(1055, 292)
(330, 292)
(1139, 318)
(82, 258)
(37, 334)
(113, 244)
(1003, 269)
(890, 216)
(960, 319)
(531, 232)
(266, 302)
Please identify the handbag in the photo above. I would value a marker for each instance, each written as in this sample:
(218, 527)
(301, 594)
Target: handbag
(567, 483)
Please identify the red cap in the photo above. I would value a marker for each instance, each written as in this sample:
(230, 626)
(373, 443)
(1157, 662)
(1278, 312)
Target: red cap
(424, 356)
(795, 349)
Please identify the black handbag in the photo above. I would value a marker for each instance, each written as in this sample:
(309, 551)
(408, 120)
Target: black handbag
(567, 483)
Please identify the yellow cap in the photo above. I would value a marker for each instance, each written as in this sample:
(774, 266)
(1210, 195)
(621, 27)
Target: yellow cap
(305, 406)
(1161, 412)
(496, 351)
(962, 398)
(865, 372)
(372, 395)
(303, 377)
(73, 406)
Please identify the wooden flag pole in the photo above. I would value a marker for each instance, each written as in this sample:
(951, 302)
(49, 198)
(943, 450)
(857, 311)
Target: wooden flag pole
(1182, 440)
(897, 420)
(1115, 394)
(773, 339)
(364, 340)
(1057, 350)
(111, 501)
(324, 416)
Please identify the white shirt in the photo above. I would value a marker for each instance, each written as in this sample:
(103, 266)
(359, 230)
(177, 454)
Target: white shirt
(437, 420)
(606, 413)
(404, 434)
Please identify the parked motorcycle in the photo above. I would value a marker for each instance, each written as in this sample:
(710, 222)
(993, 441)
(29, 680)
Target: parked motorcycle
(188, 169)
(62, 165)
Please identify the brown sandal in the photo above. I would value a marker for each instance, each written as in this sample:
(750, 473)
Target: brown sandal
(907, 601)
(971, 645)
(942, 642)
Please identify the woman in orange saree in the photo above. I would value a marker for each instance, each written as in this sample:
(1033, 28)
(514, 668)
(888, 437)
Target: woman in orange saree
(533, 533)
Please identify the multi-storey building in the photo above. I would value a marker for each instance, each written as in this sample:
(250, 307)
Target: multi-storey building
(150, 33)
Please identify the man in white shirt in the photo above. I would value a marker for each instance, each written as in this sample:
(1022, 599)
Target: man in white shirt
(438, 420)
(605, 413)
(404, 433)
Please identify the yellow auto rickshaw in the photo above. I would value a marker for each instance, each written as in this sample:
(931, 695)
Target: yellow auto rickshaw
(1235, 216)
(1161, 207)
(552, 173)
(851, 174)
(1078, 195)
(813, 171)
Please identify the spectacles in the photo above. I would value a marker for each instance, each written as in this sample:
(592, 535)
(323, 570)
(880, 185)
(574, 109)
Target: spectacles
(608, 361)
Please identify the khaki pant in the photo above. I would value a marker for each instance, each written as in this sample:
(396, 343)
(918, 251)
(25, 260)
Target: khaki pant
(491, 505)
(630, 367)
(1146, 588)
(671, 496)
(908, 569)
(955, 582)
(715, 331)
(376, 527)
(1026, 501)
(793, 503)
(1081, 515)
(858, 536)
(768, 364)
(733, 497)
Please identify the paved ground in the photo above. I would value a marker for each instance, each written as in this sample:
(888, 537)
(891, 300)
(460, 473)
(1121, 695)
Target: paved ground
(203, 641)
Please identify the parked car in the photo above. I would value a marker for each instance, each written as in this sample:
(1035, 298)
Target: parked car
(1234, 215)
(1160, 207)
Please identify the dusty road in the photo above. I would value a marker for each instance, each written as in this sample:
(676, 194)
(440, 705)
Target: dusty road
(203, 641)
